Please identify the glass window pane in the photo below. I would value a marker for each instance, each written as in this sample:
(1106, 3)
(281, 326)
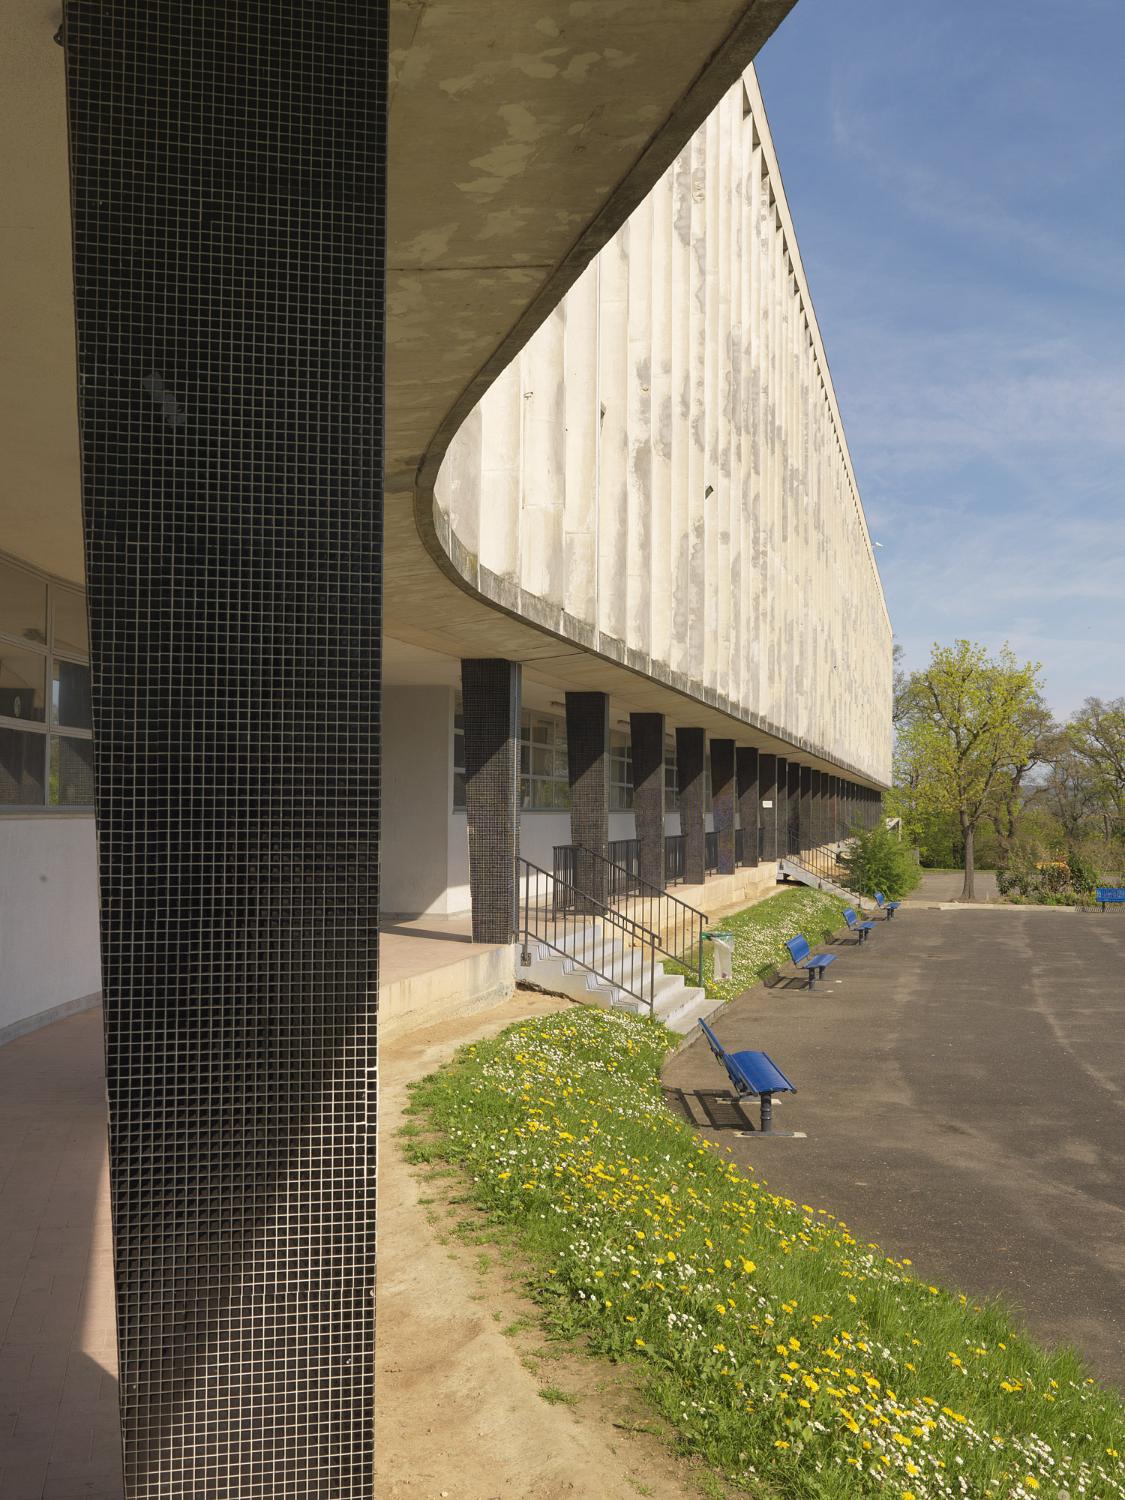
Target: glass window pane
(22, 679)
(71, 631)
(542, 761)
(23, 604)
(525, 792)
(458, 789)
(541, 732)
(72, 772)
(70, 695)
(22, 755)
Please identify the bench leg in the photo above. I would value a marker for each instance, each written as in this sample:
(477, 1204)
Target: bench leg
(767, 1113)
(812, 978)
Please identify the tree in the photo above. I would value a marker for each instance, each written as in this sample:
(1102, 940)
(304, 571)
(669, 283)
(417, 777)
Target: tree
(1067, 791)
(1097, 737)
(971, 722)
(1010, 793)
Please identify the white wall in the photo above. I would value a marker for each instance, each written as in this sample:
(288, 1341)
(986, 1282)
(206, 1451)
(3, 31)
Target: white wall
(417, 791)
(49, 960)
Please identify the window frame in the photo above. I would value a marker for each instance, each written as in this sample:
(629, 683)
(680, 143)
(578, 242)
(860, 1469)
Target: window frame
(47, 729)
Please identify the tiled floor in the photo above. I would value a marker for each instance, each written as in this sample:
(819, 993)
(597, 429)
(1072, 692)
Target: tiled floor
(58, 1355)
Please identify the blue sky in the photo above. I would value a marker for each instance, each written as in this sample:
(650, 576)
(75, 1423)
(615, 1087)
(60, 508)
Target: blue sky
(956, 175)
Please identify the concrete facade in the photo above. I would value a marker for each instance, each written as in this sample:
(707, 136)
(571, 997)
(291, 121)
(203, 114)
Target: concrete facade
(662, 476)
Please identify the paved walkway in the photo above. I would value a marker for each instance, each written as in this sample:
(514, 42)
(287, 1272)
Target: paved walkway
(962, 1083)
(945, 885)
(58, 1353)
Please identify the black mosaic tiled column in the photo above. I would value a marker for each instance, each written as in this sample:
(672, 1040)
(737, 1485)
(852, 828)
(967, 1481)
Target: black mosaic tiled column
(834, 806)
(227, 177)
(746, 782)
(587, 755)
(805, 836)
(647, 732)
(767, 794)
(793, 771)
(690, 750)
(490, 703)
(782, 805)
(819, 828)
(722, 802)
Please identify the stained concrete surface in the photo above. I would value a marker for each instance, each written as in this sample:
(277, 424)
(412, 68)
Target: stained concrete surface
(962, 1081)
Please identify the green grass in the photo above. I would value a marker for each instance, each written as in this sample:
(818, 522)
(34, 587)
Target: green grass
(555, 1396)
(801, 1363)
(760, 932)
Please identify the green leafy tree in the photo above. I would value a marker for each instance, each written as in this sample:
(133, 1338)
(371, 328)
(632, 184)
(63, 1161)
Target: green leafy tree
(971, 722)
(1097, 738)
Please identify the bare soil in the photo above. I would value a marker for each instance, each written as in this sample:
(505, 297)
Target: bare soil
(474, 1402)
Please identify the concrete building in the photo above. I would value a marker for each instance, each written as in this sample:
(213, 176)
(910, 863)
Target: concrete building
(571, 593)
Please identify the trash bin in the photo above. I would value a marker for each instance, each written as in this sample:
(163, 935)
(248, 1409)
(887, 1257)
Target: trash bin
(723, 944)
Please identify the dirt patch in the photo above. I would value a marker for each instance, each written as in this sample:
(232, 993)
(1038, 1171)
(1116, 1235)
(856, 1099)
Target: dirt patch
(474, 1403)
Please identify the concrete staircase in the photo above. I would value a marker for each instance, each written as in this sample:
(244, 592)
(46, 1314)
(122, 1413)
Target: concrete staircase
(790, 867)
(669, 998)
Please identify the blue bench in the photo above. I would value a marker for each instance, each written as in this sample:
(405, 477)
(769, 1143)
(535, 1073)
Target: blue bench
(814, 964)
(1110, 895)
(864, 929)
(754, 1075)
(890, 907)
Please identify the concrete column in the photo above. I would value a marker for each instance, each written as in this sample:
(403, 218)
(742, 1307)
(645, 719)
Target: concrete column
(231, 474)
(587, 758)
(767, 793)
(806, 825)
(490, 692)
(647, 732)
(746, 764)
(781, 808)
(690, 748)
(722, 802)
(794, 832)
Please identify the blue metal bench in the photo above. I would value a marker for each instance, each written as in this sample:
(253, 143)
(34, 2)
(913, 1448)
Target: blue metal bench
(754, 1075)
(814, 964)
(864, 929)
(890, 907)
(1110, 895)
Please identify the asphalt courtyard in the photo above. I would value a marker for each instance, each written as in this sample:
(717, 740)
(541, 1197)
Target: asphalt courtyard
(961, 1079)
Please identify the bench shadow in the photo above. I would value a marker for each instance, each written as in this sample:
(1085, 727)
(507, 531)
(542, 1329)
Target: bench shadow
(785, 982)
(713, 1109)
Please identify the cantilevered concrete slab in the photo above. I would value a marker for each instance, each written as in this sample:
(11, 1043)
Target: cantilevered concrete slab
(523, 133)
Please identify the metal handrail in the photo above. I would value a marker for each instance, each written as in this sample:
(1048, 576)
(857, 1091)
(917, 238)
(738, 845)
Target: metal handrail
(822, 862)
(565, 926)
(677, 926)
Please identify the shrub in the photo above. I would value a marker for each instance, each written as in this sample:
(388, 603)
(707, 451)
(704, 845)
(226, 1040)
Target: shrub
(1083, 876)
(878, 861)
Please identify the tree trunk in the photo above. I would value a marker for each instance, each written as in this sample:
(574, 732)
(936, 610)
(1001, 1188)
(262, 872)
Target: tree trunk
(967, 832)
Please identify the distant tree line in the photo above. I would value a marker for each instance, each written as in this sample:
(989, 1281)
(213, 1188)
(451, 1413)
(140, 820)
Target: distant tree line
(986, 777)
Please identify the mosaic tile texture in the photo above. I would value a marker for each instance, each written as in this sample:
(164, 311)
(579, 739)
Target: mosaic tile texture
(228, 170)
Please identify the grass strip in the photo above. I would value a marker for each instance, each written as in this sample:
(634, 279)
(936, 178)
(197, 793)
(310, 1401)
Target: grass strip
(760, 932)
(799, 1361)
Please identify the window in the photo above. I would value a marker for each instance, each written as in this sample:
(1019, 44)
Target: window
(620, 772)
(544, 782)
(46, 758)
